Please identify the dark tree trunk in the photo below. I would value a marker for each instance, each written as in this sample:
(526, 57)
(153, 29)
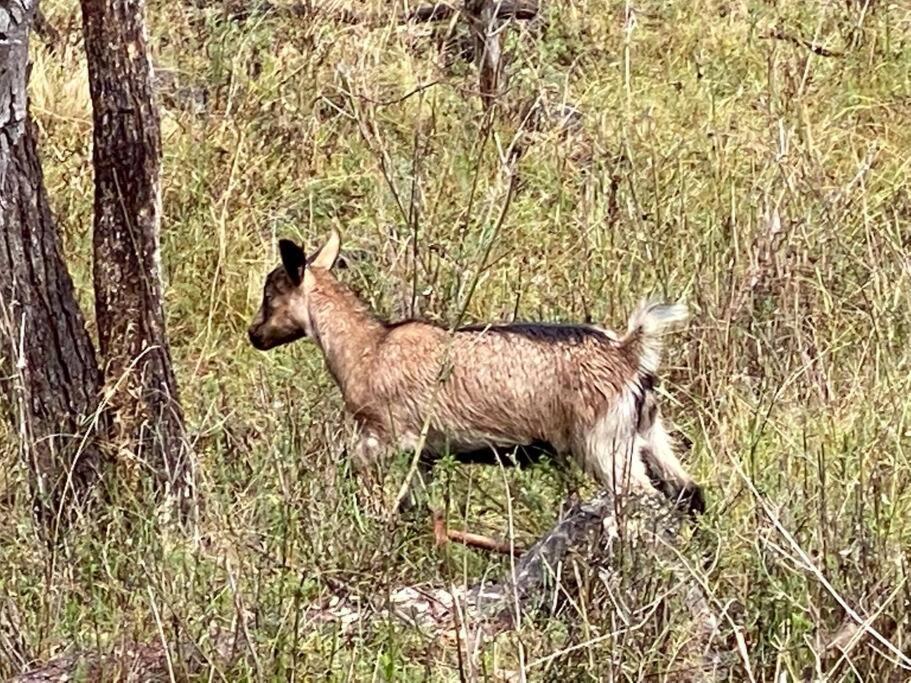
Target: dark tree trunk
(482, 17)
(51, 377)
(128, 297)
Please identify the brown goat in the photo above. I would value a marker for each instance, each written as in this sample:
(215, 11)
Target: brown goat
(481, 391)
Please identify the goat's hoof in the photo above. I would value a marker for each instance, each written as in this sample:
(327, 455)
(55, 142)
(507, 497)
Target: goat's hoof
(692, 500)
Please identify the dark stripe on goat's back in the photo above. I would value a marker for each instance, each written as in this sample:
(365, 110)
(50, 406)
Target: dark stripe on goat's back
(548, 333)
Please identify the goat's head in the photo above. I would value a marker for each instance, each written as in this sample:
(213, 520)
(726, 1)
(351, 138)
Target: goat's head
(284, 315)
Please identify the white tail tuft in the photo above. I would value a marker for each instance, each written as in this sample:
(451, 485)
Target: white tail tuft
(646, 325)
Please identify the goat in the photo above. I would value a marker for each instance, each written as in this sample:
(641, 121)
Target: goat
(481, 391)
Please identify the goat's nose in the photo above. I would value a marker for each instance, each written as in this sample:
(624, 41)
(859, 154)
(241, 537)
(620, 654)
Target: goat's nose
(254, 338)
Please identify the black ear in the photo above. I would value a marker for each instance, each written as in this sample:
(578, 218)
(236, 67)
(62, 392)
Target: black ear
(293, 259)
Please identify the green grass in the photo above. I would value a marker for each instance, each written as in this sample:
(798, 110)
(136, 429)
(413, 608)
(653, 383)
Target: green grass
(793, 375)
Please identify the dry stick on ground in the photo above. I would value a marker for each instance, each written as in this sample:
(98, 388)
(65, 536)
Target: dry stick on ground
(815, 48)
(522, 10)
(442, 535)
(587, 530)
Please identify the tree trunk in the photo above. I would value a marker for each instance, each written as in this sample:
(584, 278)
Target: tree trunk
(128, 296)
(50, 374)
(482, 18)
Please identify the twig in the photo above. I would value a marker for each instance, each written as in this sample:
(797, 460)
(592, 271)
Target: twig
(815, 48)
(442, 534)
(521, 10)
(483, 542)
(589, 531)
(397, 100)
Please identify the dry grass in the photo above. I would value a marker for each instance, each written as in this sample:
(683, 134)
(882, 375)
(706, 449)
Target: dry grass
(792, 383)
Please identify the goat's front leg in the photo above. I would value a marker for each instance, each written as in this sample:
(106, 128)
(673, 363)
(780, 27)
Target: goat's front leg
(367, 466)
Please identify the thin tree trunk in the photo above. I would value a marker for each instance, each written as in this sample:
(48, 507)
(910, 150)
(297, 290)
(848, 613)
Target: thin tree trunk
(128, 291)
(482, 17)
(50, 374)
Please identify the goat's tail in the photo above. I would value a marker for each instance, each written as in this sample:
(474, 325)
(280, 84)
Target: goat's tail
(643, 341)
(646, 325)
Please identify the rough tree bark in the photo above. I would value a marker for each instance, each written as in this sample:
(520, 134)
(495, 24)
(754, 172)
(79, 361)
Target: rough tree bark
(131, 328)
(50, 372)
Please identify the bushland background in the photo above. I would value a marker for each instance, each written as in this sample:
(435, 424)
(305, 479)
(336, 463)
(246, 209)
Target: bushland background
(635, 148)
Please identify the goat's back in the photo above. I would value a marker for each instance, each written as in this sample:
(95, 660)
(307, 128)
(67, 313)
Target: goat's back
(503, 384)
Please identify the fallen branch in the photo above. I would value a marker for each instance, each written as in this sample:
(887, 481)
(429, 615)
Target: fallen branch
(521, 10)
(815, 48)
(593, 532)
(443, 535)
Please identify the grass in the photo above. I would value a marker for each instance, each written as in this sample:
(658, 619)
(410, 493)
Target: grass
(792, 382)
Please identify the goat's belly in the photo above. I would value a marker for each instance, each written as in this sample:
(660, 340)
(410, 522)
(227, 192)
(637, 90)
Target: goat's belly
(496, 453)
(447, 438)
(490, 448)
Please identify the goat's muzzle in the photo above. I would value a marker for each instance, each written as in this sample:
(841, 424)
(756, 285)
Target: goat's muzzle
(258, 341)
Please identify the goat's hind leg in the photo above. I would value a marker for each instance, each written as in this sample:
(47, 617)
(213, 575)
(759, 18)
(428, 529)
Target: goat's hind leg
(664, 469)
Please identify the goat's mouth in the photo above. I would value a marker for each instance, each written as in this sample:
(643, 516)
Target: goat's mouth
(262, 342)
(259, 343)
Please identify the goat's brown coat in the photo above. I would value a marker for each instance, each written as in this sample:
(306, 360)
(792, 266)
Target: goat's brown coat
(579, 389)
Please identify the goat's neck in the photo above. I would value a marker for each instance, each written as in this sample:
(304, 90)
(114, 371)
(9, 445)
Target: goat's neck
(346, 332)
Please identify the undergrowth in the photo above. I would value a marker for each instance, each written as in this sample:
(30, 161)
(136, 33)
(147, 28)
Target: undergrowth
(642, 149)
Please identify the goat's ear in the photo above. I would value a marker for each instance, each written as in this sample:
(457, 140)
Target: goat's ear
(293, 259)
(328, 253)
